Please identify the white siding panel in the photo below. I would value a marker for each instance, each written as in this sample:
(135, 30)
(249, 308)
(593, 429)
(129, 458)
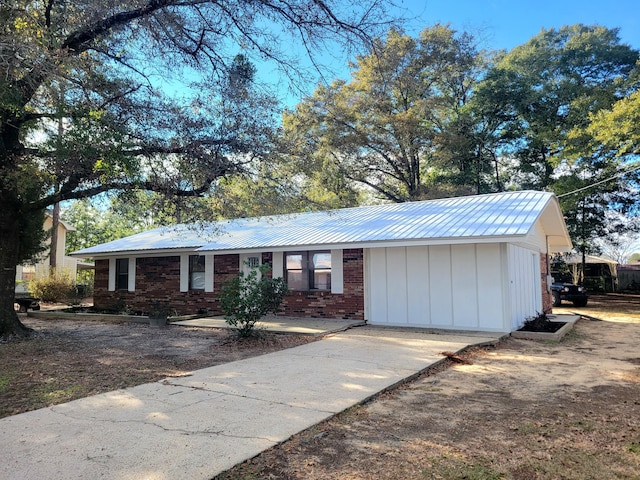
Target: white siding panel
(440, 293)
(377, 286)
(524, 284)
(208, 273)
(184, 272)
(490, 287)
(459, 287)
(465, 286)
(112, 274)
(418, 286)
(337, 280)
(132, 274)
(278, 265)
(397, 285)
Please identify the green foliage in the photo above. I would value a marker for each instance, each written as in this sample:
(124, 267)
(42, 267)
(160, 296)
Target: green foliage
(245, 299)
(388, 128)
(160, 309)
(619, 127)
(57, 287)
(33, 237)
(546, 88)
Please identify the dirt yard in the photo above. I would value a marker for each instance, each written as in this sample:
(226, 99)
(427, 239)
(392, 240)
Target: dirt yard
(71, 359)
(524, 410)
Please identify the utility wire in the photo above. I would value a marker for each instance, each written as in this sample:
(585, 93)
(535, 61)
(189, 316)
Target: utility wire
(621, 174)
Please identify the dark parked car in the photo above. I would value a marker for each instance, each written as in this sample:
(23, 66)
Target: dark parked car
(569, 292)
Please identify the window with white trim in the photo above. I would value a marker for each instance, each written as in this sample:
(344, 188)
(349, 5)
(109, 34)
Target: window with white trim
(306, 271)
(122, 273)
(196, 272)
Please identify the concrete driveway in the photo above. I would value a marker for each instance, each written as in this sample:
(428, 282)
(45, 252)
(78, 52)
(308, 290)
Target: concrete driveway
(197, 426)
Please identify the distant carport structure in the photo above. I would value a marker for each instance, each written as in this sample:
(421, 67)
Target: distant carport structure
(600, 274)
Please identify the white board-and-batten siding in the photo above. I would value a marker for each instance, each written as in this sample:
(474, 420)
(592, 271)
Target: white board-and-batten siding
(525, 284)
(458, 287)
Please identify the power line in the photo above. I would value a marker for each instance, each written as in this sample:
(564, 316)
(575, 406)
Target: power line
(621, 174)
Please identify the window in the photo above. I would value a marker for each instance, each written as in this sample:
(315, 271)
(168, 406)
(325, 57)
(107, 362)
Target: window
(306, 271)
(253, 262)
(122, 273)
(196, 272)
(28, 273)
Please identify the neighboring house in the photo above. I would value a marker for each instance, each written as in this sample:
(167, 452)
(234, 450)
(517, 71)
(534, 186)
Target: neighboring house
(467, 263)
(65, 264)
(600, 274)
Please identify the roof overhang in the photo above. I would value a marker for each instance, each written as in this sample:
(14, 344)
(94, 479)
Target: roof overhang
(555, 228)
(161, 252)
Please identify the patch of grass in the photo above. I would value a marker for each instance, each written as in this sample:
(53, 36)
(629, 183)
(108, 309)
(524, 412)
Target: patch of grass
(572, 336)
(240, 476)
(52, 394)
(634, 448)
(532, 428)
(569, 466)
(451, 468)
(5, 380)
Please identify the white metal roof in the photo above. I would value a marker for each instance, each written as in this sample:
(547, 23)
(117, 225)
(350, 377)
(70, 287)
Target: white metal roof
(498, 217)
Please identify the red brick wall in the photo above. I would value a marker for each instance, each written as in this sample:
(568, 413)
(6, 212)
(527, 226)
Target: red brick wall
(349, 304)
(547, 300)
(158, 279)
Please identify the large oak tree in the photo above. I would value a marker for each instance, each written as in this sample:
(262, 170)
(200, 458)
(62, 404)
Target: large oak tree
(81, 109)
(389, 127)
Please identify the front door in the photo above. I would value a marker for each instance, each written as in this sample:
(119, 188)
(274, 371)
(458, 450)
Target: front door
(248, 261)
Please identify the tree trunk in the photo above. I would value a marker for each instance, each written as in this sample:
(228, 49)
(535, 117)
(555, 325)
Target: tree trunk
(9, 253)
(53, 255)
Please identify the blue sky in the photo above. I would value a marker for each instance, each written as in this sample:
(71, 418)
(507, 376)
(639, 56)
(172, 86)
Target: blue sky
(499, 24)
(505, 24)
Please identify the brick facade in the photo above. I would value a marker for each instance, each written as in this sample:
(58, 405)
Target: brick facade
(547, 297)
(349, 304)
(158, 279)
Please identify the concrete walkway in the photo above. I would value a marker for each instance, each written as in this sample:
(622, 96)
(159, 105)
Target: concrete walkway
(197, 426)
(303, 326)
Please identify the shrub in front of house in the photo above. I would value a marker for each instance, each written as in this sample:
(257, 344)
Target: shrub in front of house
(247, 298)
(54, 288)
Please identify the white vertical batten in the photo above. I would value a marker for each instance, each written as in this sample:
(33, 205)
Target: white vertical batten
(208, 273)
(278, 267)
(131, 283)
(184, 272)
(112, 274)
(337, 272)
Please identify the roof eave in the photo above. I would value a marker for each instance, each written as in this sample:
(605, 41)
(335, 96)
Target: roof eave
(366, 244)
(160, 252)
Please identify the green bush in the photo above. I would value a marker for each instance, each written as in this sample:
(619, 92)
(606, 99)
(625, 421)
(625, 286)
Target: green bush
(53, 289)
(245, 299)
